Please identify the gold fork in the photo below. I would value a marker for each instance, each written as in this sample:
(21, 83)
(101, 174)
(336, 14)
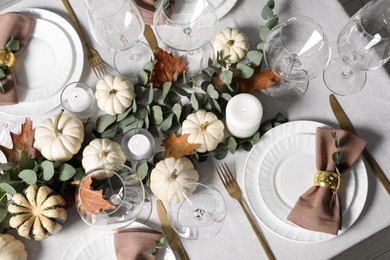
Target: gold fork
(93, 56)
(234, 191)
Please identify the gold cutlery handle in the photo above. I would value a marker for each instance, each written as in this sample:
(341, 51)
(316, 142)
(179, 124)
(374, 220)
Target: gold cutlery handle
(75, 22)
(259, 235)
(377, 170)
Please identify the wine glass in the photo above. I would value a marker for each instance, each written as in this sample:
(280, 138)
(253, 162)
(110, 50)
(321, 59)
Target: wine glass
(118, 25)
(363, 45)
(110, 197)
(196, 210)
(297, 51)
(187, 26)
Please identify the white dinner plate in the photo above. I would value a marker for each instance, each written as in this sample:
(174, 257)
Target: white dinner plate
(53, 57)
(223, 6)
(281, 167)
(92, 244)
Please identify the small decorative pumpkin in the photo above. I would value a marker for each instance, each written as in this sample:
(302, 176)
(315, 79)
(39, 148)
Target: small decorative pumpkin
(204, 129)
(101, 151)
(11, 248)
(60, 137)
(114, 94)
(38, 212)
(169, 174)
(231, 42)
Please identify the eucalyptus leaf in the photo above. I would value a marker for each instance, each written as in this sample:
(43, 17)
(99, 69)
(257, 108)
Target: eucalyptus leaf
(157, 115)
(226, 96)
(12, 45)
(226, 77)
(212, 92)
(134, 105)
(122, 116)
(25, 161)
(7, 188)
(271, 4)
(142, 112)
(142, 169)
(260, 46)
(174, 77)
(2, 73)
(264, 31)
(67, 171)
(3, 214)
(150, 95)
(232, 144)
(254, 57)
(280, 118)
(216, 105)
(176, 109)
(221, 153)
(167, 123)
(210, 62)
(103, 122)
(245, 71)
(267, 12)
(247, 146)
(28, 176)
(80, 172)
(172, 98)
(143, 77)
(158, 157)
(149, 66)
(130, 126)
(272, 22)
(194, 102)
(256, 138)
(47, 170)
(166, 87)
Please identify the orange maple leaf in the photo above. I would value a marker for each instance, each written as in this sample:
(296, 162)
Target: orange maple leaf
(92, 200)
(177, 147)
(165, 66)
(21, 142)
(259, 80)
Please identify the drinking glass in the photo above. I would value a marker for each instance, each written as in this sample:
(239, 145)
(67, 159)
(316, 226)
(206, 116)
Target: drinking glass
(196, 211)
(187, 26)
(297, 51)
(363, 45)
(118, 25)
(110, 197)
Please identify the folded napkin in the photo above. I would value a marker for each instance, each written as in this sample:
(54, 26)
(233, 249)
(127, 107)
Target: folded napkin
(135, 243)
(313, 209)
(147, 9)
(19, 27)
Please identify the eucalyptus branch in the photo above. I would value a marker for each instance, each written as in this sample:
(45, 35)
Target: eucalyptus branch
(337, 158)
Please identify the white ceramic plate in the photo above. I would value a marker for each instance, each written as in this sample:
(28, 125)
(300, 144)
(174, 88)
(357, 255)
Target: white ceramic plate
(92, 244)
(53, 57)
(223, 6)
(281, 167)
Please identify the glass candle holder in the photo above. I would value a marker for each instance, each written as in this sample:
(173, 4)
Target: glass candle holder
(138, 144)
(79, 99)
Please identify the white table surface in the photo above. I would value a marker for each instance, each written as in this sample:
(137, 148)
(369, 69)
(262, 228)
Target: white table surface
(368, 110)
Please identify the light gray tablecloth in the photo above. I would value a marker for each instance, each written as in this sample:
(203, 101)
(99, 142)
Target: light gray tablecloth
(368, 110)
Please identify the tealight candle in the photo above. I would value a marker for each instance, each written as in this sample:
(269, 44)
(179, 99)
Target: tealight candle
(243, 115)
(79, 99)
(140, 146)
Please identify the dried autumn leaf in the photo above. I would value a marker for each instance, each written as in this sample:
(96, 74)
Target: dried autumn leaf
(93, 200)
(165, 66)
(259, 80)
(216, 80)
(177, 147)
(21, 142)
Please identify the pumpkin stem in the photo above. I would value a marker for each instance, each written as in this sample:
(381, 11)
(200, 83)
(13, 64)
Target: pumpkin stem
(203, 126)
(230, 43)
(112, 92)
(57, 132)
(173, 175)
(103, 154)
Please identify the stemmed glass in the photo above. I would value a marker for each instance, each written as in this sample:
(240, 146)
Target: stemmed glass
(297, 51)
(196, 211)
(363, 45)
(187, 26)
(110, 197)
(118, 25)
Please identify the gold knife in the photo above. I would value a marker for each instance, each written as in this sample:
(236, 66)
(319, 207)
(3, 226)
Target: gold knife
(346, 124)
(150, 37)
(171, 235)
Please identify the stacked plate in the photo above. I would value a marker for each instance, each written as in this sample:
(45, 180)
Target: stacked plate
(52, 58)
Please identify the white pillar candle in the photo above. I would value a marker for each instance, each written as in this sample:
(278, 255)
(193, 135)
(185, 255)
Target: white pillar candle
(140, 146)
(78, 99)
(243, 115)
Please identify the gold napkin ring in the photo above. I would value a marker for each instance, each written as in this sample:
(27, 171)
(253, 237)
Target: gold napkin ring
(7, 58)
(327, 179)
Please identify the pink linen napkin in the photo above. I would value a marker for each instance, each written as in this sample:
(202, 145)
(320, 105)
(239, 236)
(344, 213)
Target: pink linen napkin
(19, 27)
(147, 9)
(312, 210)
(135, 243)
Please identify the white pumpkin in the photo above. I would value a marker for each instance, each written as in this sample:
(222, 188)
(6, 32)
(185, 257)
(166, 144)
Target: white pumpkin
(204, 129)
(38, 212)
(114, 94)
(170, 174)
(60, 137)
(231, 42)
(11, 248)
(101, 151)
